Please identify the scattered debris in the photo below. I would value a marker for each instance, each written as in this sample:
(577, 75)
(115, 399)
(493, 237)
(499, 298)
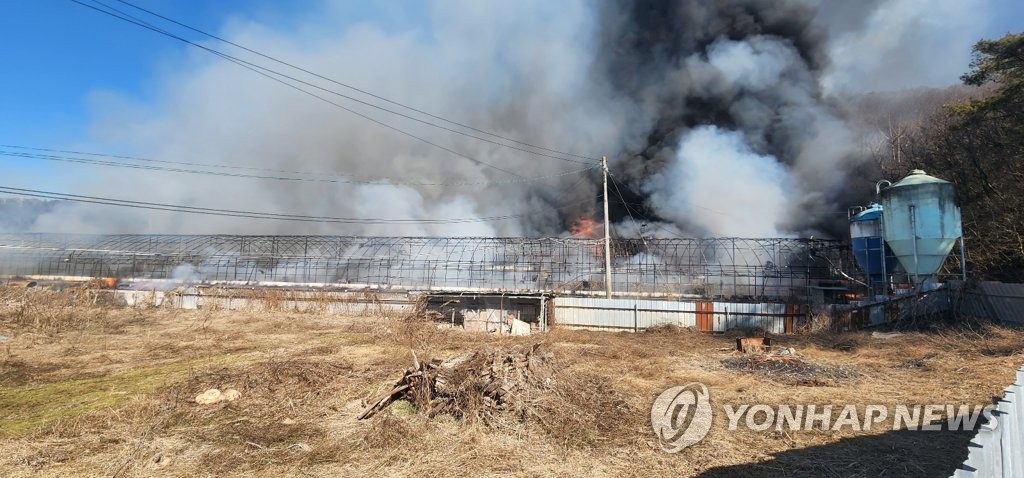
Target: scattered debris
(518, 327)
(483, 383)
(208, 397)
(159, 461)
(922, 363)
(213, 396)
(788, 368)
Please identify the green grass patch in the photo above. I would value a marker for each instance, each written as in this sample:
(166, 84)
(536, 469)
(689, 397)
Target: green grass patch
(27, 407)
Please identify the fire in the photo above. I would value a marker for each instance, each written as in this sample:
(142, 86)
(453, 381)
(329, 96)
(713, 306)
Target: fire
(585, 227)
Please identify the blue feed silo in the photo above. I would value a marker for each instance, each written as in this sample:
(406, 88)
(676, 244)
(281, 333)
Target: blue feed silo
(921, 222)
(873, 256)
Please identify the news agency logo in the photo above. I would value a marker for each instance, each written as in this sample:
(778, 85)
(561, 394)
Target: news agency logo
(681, 416)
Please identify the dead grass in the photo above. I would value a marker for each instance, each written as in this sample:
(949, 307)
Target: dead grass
(99, 390)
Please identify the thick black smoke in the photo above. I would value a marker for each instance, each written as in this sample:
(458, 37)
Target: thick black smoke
(667, 58)
(718, 118)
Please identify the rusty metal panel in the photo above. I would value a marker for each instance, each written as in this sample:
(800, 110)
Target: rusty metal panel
(705, 316)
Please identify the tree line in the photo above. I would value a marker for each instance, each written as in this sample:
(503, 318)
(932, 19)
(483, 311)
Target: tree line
(972, 136)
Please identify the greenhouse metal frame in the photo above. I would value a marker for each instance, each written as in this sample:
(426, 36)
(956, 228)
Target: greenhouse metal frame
(713, 267)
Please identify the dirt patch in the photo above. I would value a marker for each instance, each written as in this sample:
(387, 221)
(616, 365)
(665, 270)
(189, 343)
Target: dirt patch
(14, 372)
(791, 369)
(921, 363)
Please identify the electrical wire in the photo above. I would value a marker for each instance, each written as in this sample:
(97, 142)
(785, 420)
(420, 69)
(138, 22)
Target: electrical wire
(243, 64)
(371, 181)
(629, 212)
(698, 206)
(655, 223)
(254, 67)
(237, 213)
(353, 88)
(244, 214)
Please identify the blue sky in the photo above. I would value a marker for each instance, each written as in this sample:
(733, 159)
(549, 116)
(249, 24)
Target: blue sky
(57, 52)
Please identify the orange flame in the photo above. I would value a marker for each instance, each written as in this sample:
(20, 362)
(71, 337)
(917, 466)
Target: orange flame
(585, 227)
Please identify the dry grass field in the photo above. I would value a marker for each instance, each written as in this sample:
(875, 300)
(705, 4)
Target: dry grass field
(101, 390)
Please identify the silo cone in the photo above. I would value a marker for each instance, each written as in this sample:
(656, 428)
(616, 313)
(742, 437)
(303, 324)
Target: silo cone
(921, 222)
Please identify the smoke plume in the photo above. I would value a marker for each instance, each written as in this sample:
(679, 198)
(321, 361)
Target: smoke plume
(719, 118)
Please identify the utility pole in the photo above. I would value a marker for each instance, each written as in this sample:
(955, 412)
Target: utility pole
(607, 234)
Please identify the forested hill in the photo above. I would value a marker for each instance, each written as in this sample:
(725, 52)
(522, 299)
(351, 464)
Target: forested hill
(974, 137)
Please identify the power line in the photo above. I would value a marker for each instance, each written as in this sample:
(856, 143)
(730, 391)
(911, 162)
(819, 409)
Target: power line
(245, 64)
(243, 214)
(655, 224)
(371, 181)
(698, 206)
(255, 67)
(237, 213)
(629, 212)
(353, 88)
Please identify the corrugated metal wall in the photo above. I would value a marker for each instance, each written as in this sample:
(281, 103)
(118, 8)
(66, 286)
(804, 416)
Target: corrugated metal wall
(995, 300)
(999, 451)
(637, 314)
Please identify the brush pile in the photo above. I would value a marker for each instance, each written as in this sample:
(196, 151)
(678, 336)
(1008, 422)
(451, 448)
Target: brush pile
(482, 384)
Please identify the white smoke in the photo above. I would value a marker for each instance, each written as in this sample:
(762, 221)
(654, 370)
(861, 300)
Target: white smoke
(186, 274)
(905, 44)
(465, 67)
(720, 186)
(532, 70)
(755, 63)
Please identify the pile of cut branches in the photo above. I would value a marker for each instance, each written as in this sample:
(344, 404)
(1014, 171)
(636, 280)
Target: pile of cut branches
(481, 384)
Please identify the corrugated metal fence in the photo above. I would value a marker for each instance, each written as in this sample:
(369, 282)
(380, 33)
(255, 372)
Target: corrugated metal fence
(999, 451)
(996, 301)
(638, 314)
(1003, 302)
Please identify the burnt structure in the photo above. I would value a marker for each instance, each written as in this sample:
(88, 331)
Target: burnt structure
(730, 268)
